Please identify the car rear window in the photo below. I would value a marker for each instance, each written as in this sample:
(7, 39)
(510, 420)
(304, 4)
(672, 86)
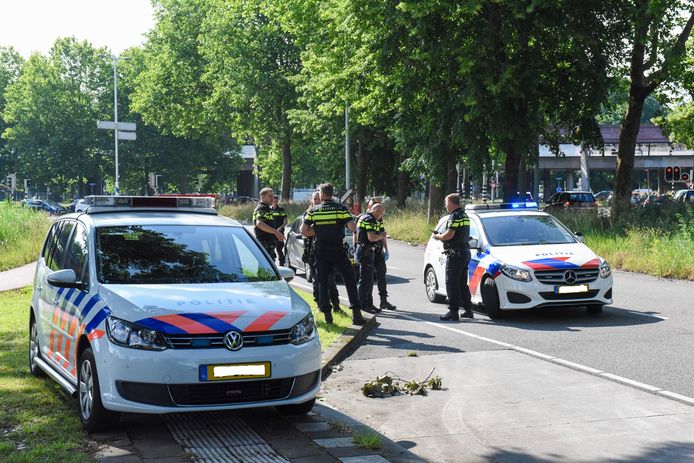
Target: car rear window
(172, 254)
(582, 197)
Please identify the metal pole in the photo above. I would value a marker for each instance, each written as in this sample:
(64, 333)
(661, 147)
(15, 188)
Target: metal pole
(347, 182)
(115, 117)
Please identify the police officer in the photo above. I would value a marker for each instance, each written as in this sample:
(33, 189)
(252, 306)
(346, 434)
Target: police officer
(279, 221)
(367, 239)
(328, 220)
(456, 245)
(309, 258)
(380, 258)
(262, 218)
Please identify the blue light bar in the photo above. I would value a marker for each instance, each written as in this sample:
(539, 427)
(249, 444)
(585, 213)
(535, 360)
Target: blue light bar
(528, 205)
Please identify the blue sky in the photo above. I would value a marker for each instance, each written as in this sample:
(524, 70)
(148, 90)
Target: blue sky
(33, 25)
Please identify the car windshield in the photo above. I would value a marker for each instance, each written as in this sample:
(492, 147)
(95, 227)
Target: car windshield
(519, 230)
(170, 254)
(581, 197)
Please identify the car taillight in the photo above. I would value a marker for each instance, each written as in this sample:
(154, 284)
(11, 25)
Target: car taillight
(567, 204)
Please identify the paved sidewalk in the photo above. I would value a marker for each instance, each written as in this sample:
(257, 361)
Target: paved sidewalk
(505, 406)
(17, 277)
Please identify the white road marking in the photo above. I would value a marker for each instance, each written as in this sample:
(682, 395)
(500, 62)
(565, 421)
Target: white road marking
(390, 267)
(576, 366)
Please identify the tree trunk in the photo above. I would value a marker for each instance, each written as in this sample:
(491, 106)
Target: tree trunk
(286, 168)
(362, 164)
(523, 183)
(624, 178)
(511, 172)
(451, 172)
(403, 181)
(435, 202)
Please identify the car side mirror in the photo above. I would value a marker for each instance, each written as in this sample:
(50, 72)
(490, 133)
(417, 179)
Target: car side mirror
(579, 237)
(64, 279)
(287, 274)
(474, 244)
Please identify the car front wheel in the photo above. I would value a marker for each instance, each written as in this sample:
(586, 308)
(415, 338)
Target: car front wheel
(93, 415)
(490, 299)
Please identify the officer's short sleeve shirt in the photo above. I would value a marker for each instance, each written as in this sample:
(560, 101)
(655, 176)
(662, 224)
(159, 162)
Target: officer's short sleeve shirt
(459, 222)
(365, 224)
(263, 213)
(328, 220)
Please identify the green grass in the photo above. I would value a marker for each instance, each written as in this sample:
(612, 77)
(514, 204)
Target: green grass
(22, 231)
(37, 421)
(367, 439)
(328, 333)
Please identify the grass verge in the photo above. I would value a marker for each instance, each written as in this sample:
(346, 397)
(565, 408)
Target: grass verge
(328, 333)
(22, 231)
(37, 421)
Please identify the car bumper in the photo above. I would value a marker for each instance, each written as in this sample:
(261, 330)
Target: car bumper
(519, 295)
(139, 381)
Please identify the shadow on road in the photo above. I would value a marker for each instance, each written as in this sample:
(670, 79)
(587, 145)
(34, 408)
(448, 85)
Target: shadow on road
(402, 340)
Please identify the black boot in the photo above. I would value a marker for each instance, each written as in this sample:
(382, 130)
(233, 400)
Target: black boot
(450, 316)
(338, 309)
(385, 305)
(371, 309)
(357, 317)
(467, 313)
(328, 316)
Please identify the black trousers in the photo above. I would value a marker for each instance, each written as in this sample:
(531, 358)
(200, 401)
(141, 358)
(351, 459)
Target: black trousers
(280, 252)
(456, 281)
(380, 266)
(270, 248)
(365, 258)
(329, 258)
(334, 294)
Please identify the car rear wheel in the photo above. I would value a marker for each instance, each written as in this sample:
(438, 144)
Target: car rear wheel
(594, 308)
(34, 350)
(298, 409)
(431, 285)
(93, 415)
(490, 299)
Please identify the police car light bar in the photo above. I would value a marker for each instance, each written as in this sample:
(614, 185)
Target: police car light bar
(528, 205)
(106, 203)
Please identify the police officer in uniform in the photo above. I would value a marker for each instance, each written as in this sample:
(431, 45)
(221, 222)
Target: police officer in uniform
(380, 258)
(309, 258)
(456, 245)
(369, 236)
(262, 218)
(327, 222)
(279, 221)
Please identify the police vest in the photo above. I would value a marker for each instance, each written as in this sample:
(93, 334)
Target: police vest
(366, 223)
(328, 220)
(459, 222)
(264, 214)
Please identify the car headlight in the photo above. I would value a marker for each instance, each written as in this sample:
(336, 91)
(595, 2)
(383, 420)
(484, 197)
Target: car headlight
(605, 270)
(303, 331)
(128, 334)
(516, 273)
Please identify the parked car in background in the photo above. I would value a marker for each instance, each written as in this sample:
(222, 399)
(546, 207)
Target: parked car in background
(46, 206)
(685, 196)
(604, 196)
(571, 200)
(78, 205)
(655, 199)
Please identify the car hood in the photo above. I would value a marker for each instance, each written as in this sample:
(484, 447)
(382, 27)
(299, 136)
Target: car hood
(547, 256)
(207, 308)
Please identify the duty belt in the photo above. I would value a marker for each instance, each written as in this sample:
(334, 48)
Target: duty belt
(454, 251)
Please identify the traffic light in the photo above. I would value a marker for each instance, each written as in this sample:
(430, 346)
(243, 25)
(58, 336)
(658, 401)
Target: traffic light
(668, 174)
(676, 174)
(684, 176)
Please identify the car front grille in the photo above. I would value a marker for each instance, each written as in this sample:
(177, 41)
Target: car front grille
(216, 341)
(553, 277)
(218, 393)
(551, 296)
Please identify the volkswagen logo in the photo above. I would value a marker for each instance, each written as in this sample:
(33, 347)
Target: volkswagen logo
(233, 340)
(570, 276)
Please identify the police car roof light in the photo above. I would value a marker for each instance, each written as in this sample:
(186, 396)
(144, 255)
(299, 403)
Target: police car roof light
(105, 203)
(528, 205)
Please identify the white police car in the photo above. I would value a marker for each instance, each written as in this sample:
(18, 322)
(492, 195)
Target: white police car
(156, 305)
(522, 258)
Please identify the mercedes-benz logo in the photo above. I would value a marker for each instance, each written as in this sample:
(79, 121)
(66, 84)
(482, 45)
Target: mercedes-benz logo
(233, 340)
(570, 276)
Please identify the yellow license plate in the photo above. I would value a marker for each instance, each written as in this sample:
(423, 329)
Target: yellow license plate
(232, 371)
(572, 289)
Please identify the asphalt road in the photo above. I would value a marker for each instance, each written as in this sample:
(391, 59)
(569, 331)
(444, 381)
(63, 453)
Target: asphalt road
(646, 335)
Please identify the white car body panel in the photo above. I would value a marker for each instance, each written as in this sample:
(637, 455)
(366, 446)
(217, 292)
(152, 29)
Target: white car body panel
(486, 262)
